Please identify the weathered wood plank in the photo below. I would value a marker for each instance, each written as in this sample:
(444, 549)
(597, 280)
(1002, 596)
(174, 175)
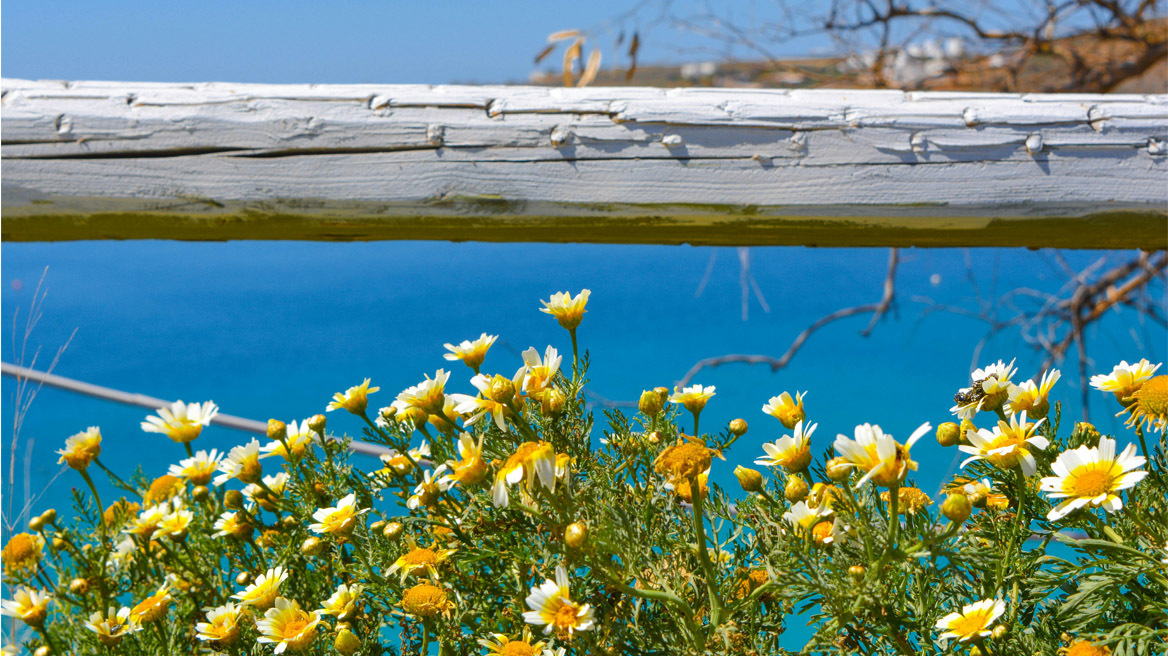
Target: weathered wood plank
(826, 167)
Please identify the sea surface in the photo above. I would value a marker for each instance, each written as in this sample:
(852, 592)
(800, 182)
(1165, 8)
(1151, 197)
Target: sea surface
(273, 329)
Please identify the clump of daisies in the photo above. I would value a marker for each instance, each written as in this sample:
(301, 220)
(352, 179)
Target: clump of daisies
(487, 510)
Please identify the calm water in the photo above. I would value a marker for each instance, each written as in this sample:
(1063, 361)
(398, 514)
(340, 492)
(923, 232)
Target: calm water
(273, 329)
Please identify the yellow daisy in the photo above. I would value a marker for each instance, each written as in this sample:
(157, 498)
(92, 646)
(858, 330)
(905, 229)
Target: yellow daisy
(28, 605)
(243, 462)
(112, 626)
(82, 448)
(429, 489)
(426, 601)
(470, 468)
(399, 464)
(233, 524)
(1125, 379)
(791, 452)
(299, 438)
(1084, 648)
(540, 372)
(531, 461)
(338, 520)
(1092, 476)
(222, 625)
(787, 410)
(355, 399)
(974, 620)
(503, 645)
(472, 353)
(552, 607)
(496, 393)
(427, 395)
(181, 422)
(198, 469)
(288, 627)
(885, 461)
(345, 602)
(22, 554)
(805, 517)
(1031, 398)
(694, 397)
(1149, 406)
(148, 521)
(419, 559)
(152, 608)
(263, 592)
(1007, 445)
(568, 310)
(176, 522)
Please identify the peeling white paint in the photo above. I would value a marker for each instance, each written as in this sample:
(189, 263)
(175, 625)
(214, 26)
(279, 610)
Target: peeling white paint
(730, 147)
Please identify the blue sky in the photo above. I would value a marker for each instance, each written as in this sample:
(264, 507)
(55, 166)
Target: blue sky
(300, 41)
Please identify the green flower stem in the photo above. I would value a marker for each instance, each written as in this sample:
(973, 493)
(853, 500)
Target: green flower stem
(190, 451)
(704, 554)
(97, 498)
(575, 353)
(696, 414)
(120, 483)
(893, 517)
(679, 605)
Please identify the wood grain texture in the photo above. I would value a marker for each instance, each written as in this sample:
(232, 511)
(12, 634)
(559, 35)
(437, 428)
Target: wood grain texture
(724, 166)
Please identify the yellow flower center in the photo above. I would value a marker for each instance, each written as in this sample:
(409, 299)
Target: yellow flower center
(969, 625)
(567, 616)
(1152, 399)
(822, 532)
(424, 600)
(162, 488)
(420, 557)
(1084, 648)
(683, 461)
(20, 549)
(517, 648)
(1093, 482)
(295, 626)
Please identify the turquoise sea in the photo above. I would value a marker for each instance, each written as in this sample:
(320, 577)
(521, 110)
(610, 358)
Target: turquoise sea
(272, 329)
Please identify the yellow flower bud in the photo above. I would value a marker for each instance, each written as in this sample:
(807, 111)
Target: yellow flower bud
(242, 530)
(501, 390)
(317, 423)
(655, 437)
(576, 534)
(956, 507)
(378, 526)
(79, 586)
(243, 578)
(201, 493)
(663, 392)
(999, 632)
(856, 572)
(277, 430)
(838, 469)
(393, 530)
(749, 479)
(553, 402)
(796, 489)
(43, 650)
(36, 524)
(346, 643)
(233, 500)
(650, 403)
(1088, 431)
(738, 427)
(966, 426)
(948, 434)
(312, 547)
(49, 516)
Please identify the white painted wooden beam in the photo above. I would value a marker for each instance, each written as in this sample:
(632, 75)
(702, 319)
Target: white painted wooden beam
(724, 166)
